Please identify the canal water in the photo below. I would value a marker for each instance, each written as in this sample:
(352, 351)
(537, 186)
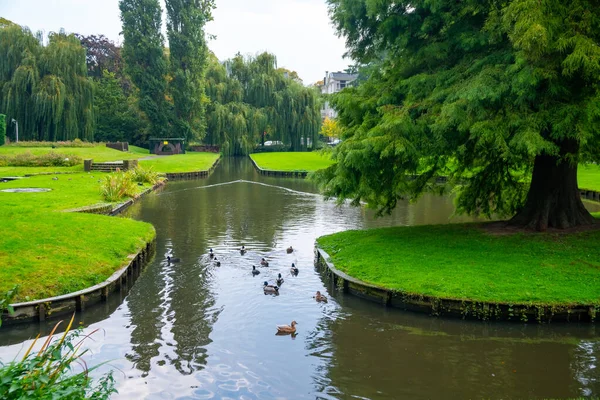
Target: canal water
(192, 330)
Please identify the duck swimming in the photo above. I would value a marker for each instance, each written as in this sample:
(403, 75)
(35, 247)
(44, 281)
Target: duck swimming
(270, 288)
(279, 280)
(294, 269)
(289, 250)
(287, 328)
(320, 298)
(217, 262)
(210, 253)
(173, 259)
(264, 262)
(243, 250)
(255, 271)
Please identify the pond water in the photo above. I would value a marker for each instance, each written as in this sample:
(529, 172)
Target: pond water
(192, 330)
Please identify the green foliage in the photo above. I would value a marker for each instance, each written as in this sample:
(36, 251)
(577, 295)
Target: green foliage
(49, 159)
(463, 261)
(143, 175)
(2, 129)
(251, 97)
(145, 61)
(491, 86)
(5, 301)
(188, 55)
(118, 186)
(60, 144)
(118, 115)
(45, 88)
(188, 162)
(49, 372)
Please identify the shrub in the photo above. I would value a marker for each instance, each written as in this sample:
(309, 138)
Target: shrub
(142, 175)
(67, 143)
(50, 159)
(117, 186)
(49, 372)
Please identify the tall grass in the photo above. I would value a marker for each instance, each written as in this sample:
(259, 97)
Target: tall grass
(117, 186)
(28, 159)
(49, 373)
(143, 175)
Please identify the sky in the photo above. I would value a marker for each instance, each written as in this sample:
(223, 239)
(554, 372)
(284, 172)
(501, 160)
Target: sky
(298, 32)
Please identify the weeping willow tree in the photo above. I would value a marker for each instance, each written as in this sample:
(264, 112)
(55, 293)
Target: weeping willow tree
(45, 88)
(250, 97)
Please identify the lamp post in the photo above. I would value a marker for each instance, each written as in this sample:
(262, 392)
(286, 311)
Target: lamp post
(14, 121)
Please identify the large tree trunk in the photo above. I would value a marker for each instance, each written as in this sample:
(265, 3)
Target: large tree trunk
(553, 200)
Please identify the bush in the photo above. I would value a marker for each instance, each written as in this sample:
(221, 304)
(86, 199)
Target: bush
(48, 372)
(117, 186)
(50, 159)
(2, 129)
(67, 143)
(142, 175)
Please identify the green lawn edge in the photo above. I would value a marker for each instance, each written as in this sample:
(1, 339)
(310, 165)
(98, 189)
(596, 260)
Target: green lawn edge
(49, 252)
(291, 161)
(464, 262)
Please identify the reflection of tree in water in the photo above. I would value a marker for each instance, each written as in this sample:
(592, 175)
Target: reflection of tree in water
(585, 367)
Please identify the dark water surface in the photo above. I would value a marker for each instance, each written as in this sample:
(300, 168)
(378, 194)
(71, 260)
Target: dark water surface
(192, 330)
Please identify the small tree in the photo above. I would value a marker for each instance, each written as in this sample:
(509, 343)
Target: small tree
(331, 128)
(2, 129)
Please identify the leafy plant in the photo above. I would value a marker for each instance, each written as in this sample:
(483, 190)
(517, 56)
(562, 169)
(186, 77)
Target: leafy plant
(49, 372)
(117, 186)
(143, 175)
(2, 129)
(5, 301)
(65, 143)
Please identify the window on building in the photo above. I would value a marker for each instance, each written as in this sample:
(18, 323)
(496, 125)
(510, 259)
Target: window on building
(342, 84)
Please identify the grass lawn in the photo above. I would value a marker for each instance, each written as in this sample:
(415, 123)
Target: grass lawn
(463, 262)
(292, 161)
(588, 176)
(48, 252)
(188, 162)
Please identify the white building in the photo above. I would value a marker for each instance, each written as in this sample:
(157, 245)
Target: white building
(333, 83)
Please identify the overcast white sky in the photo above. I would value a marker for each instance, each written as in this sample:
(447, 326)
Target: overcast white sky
(298, 32)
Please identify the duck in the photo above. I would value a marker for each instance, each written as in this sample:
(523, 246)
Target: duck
(319, 297)
(243, 250)
(270, 288)
(289, 250)
(264, 262)
(210, 253)
(279, 280)
(173, 259)
(291, 328)
(217, 262)
(294, 269)
(255, 271)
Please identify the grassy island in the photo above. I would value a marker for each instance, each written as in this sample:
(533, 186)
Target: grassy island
(470, 262)
(49, 252)
(288, 162)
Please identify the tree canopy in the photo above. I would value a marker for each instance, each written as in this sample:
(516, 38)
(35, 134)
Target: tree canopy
(500, 96)
(188, 54)
(45, 88)
(251, 96)
(145, 60)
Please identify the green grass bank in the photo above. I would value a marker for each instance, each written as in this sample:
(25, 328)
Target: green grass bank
(188, 162)
(293, 161)
(466, 262)
(49, 252)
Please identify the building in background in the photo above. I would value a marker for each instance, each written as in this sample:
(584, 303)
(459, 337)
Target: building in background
(333, 83)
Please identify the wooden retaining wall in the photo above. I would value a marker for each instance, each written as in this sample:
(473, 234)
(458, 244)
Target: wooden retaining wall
(435, 306)
(41, 310)
(281, 174)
